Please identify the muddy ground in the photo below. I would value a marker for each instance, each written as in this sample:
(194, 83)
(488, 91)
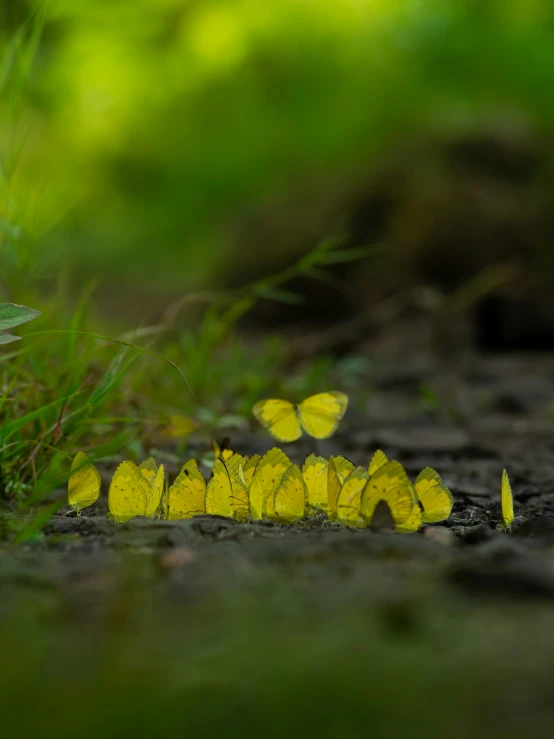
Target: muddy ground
(209, 626)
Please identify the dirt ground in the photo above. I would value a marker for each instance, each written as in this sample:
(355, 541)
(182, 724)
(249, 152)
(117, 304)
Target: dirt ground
(475, 603)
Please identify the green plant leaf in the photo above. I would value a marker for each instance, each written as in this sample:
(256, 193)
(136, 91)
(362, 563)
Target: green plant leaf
(14, 315)
(7, 338)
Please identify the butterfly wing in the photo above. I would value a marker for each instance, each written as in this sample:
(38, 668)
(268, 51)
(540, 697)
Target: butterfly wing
(338, 470)
(290, 496)
(269, 471)
(240, 501)
(84, 483)
(507, 501)
(156, 491)
(315, 473)
(378, 460)
(149, 468)
(248, 469)
(219, 493)
(320, 414)
(187, 494)
(435, 498)
(129, 493)
(391, 484)
(350, 498)
(279, 418)
(413, 523)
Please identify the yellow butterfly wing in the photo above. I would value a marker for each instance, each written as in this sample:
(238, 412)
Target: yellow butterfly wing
(129, 493)
(149, 468)
(435, 498)
(240, 500)
(350, 498)
(379, 460)
(413, 523)
(338, 470)
(247, 470)
(84, 483)
(156, 491)
(507, 501)
(219, 492)
(279, 417)
(290, 496)
(391, 484)
(186, 497)
(269, 471)
(315, 474)
(320, 414)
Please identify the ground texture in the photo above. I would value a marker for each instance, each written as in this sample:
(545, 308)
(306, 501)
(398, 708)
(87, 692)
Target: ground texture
(207, 626)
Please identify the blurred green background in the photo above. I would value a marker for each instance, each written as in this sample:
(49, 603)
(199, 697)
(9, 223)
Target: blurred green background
(170, 145)
(156, 156)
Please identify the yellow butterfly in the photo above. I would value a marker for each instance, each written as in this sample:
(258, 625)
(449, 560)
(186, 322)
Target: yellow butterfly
(318, 415)
(219, 492)
(186, 497)
(391, 484)
(149, 468)
(290, 496)
(350, 498)
(435, 498)
(132, 495)
(338, 470)
(240, 501)
(379, 460)
(315, 476)
(84, 483)
(507, 501)
(267, 476)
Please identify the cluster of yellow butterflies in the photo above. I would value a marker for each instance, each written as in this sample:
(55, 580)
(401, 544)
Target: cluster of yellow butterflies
(270, 487)
(381, 495)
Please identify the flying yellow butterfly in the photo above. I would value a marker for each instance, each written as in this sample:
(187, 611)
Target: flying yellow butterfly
(315, 475)
(84, 483)
(507, 502)
(391, 484)
(338, 470)
(290, 496)
(318, 415)
(267, 476)
(132, 495)
(350, 498)
(186, 497)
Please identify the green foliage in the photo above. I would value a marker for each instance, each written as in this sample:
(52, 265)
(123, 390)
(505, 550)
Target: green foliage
(149, 127)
